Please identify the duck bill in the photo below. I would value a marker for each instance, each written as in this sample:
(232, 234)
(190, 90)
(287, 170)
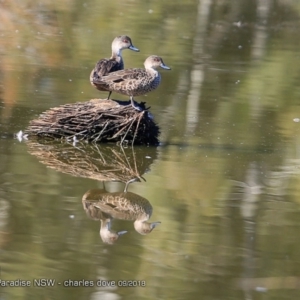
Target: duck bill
(133, 48)
(165, 67)
(121, 232)
(154, 224)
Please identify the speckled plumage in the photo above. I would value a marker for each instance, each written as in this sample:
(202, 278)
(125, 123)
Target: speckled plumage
(114, 63)
(128, 206)
(123, 206)
(133, 82)
(107, 234)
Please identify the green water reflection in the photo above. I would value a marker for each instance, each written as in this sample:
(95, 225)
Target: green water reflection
(224, 183)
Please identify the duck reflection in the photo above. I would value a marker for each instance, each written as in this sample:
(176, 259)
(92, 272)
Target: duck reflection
(107, 235)
(104, 206)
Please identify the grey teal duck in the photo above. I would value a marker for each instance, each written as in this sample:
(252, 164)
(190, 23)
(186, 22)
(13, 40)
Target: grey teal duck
(114, 63)
(133, 82)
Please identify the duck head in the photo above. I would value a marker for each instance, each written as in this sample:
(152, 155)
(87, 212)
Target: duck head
(108, 235)
(122, 42)
(143, 227)
(154, 62)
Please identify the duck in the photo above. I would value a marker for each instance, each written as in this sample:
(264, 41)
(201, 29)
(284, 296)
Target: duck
(115, 63)
(134, 81)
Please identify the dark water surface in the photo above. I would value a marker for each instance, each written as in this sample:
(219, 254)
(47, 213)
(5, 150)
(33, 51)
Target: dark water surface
(224, 183)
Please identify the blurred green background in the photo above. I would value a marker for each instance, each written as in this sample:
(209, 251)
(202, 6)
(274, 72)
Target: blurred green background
(224, 182)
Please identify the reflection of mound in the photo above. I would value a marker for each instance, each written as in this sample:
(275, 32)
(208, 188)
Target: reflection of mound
(100, 162)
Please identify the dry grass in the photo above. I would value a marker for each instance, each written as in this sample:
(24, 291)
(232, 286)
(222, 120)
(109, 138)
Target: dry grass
(97, 121)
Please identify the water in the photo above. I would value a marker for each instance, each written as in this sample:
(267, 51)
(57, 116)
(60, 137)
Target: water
(223, 183)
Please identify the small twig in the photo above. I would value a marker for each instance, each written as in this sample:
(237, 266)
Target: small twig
(137, 127)
(122, 140)
(96, 139)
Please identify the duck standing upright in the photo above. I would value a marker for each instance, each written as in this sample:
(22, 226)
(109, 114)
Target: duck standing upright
(114, 63)
(133, 82)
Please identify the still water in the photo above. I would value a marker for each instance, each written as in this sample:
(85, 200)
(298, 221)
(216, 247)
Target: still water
(219, 198)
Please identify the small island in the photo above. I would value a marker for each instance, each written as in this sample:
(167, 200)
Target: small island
(96, 121)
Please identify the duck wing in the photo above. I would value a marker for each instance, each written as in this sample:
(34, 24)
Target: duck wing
(113, 210)
(105, 66)
(121, 76)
